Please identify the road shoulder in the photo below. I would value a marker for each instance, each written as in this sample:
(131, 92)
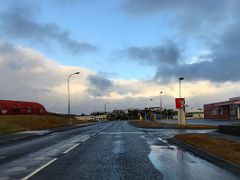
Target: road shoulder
(26, 135)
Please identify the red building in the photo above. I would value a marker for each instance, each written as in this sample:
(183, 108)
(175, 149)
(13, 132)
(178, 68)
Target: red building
(8, 107)
(223, 110)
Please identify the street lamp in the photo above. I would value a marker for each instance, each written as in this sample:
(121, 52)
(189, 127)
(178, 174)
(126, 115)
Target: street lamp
(180, 79)
(95, 105)
(161, 101)
(68, 79)
(150, 102)
(105, 107)
(182, 119)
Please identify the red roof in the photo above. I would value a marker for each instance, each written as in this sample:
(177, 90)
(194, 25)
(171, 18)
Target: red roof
(21, 107)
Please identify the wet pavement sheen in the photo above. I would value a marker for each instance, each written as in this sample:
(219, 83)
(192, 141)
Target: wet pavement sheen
(119, 151)
(174, 164)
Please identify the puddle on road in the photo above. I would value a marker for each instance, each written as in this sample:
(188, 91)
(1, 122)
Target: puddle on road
(175, 163)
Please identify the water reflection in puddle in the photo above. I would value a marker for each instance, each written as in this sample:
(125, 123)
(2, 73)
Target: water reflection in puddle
(176, 164)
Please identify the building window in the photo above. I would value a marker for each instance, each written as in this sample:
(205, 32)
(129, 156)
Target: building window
(4, 111)
(221, 111)
(213, 112)
(216, 111)
(15, 110)
(29, 110)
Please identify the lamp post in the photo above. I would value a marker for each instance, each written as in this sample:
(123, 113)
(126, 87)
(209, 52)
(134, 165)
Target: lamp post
(95, 105)
(161, 102)
(68, 79)
(180, 79)
(145, 112)
(150, 103)
(182, 120)
(105, 107)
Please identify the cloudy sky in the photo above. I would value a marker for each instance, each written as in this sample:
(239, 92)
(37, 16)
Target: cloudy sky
(125, 50)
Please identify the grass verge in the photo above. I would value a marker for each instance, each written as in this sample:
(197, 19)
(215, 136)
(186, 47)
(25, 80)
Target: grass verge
(226, 149)
(11, 124)
(144, 124)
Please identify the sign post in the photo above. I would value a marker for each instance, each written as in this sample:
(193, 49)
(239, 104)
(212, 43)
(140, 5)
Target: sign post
(180, 105)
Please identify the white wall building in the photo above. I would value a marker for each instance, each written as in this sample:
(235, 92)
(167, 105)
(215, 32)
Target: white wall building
(194, 113)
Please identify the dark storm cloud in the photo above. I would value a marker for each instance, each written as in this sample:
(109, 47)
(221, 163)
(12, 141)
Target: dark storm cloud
(99, 84)
(220, 65)
(204, 7)
(190, 15)
(224, 64)
(153, 55)
(213, 24)
(18, 22)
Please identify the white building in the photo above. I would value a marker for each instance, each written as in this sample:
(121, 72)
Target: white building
(87, 118)
(194, 113)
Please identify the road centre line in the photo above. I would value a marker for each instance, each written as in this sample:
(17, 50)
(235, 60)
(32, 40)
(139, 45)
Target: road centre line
(116, 133)
(93, 134)
(39, 169)
(85, 139)
(71, 148)
(105, 127)
(74, 146)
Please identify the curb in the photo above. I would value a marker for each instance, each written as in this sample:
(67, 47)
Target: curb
(31, 136)
(229, 129)
(171, 127)
(234, 168)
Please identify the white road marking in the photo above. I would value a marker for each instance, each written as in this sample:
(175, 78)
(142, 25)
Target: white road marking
(96, 133)
(39, 169)
(117, 133)
(104, 127)
(164, 141)
(85, 139)
(53, 134)
(93, 134)
(71, 148)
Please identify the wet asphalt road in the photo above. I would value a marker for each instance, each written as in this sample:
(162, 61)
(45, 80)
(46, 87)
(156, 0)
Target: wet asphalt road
(112, 150)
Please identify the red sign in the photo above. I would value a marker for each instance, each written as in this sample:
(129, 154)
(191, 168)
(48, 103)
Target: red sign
(180, 103)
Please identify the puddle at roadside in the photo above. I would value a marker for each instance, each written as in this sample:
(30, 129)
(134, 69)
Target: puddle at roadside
(175, 163)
